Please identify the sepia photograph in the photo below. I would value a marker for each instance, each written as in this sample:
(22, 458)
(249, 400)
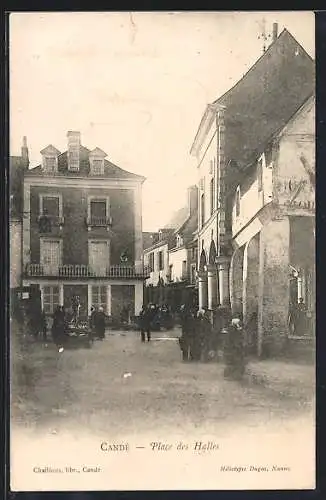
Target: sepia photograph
(162, 250)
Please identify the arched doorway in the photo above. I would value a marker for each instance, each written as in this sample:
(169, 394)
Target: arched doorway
(250, 291)
(212, 278)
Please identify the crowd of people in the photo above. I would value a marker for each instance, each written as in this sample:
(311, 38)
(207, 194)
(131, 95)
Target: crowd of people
(204, 337)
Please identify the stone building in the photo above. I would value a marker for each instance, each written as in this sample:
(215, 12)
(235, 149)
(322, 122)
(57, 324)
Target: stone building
(82, 239)
(171, 256)
(255, 149)
(17, 166)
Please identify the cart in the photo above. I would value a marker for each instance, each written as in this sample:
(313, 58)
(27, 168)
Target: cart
(78, 334)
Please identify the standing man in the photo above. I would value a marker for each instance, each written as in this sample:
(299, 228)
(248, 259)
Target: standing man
(145, 323)
(235, 350)
(99, 323)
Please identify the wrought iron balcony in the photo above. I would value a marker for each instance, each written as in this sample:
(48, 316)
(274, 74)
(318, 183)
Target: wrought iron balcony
(98, 221)
(85, 271)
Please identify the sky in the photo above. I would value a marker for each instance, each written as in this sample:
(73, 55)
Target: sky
(134, 84)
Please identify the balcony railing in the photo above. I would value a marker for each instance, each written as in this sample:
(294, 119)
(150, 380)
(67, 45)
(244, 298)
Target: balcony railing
(84, 271)
(46, 222)
(99, 221)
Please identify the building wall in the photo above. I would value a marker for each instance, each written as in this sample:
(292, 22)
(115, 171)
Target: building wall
(207, 170)
(176, 258)
(156, 274)
(251, 199)
(297, 138)
(75, 234)
(15, 229)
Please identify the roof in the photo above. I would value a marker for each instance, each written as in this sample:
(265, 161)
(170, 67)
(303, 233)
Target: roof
(149, 239)
(110, 170)
(190, 225)
(178, 219)
(263, 101)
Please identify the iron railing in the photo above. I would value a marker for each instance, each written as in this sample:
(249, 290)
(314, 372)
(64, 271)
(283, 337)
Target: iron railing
(85, 271)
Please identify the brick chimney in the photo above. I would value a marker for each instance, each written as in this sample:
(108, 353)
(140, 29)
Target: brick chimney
(73, 150)
(275, 31)
(192, 199)
(24, 153)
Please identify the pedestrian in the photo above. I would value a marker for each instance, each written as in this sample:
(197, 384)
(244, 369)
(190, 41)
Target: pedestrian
(99, 323)
(186, 333)
(58, 327)
(300, 326)
(92, 322)
(44, 325)
(205, 334)
(145, 323)
(235, 350)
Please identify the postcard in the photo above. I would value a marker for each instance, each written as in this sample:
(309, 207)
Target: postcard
(162, 242)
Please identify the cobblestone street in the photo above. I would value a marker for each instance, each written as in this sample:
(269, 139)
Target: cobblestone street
(123, 386)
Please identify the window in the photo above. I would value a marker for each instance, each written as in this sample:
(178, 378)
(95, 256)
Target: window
(160, 260)
(170, 272)
(260, 174)
(151, 261)
(202, 208)
(237, 202)
(98, 211)
(73, 159)
(98, 208)
(51, 255)
(99, 297)
(99, 256)
(212, 193)
(184, 269)
(50, 299)
(97, 166)
(50, 205)
(50, 164)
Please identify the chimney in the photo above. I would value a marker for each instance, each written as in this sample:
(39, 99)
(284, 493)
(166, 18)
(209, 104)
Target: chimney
(275, 31)
(192, 200)
(24, 153)
(73, 150)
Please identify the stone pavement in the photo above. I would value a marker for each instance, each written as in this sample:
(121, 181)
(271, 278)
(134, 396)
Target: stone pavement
(286, 377)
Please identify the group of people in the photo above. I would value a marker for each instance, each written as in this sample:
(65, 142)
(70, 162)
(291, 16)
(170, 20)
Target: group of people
(202, 338)
(153, 317)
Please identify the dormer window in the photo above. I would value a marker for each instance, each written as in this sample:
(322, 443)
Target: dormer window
(96, 161)
(179, 241)
(50, 159)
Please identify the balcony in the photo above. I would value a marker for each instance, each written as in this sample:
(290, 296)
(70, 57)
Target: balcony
(47, 222)
(84, 271)
(98, 222)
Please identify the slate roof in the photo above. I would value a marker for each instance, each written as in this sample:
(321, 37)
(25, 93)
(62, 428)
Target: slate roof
(177, 219)
(260, 104)
(149, 238)
(190, 225)
(265, 99)
(110, 170)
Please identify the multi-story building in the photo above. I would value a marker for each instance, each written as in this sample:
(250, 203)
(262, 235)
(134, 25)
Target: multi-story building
(172, 257)
(82, 239)
(255, 154)
(17, 166)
